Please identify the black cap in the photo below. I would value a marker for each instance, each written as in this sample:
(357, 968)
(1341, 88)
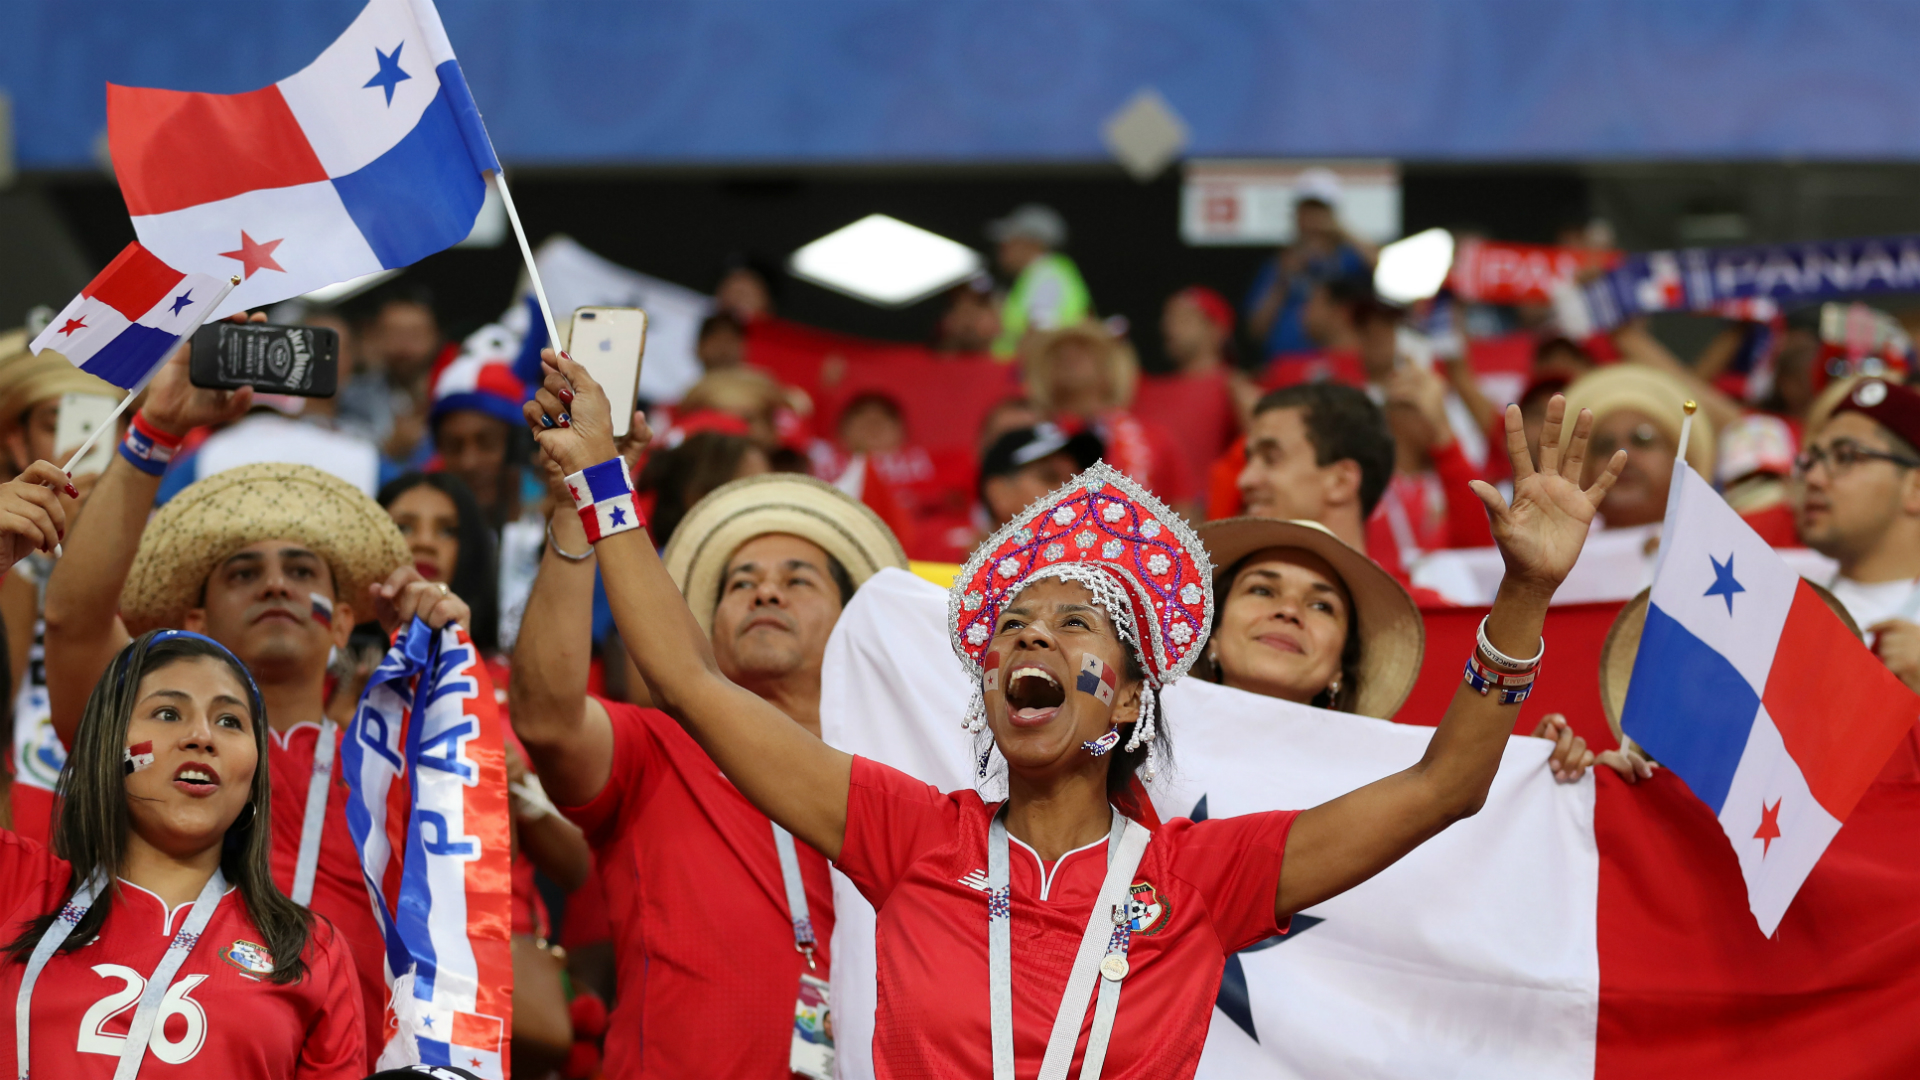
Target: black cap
(1021, 447)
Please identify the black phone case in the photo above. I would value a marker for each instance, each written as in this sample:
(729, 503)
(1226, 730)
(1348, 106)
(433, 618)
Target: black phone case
(300, 360)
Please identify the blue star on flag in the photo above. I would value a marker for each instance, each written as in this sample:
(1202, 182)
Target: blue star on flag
(389, 74)
(617, 516)
(1723, 583)
(182, 300)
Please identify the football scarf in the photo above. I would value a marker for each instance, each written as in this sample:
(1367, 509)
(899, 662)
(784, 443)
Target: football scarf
(426, 769)
(1702, 279)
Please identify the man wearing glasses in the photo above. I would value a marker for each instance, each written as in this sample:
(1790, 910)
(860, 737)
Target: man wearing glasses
(1857, 488)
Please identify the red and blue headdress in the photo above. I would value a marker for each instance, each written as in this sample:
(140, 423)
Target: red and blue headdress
(1140, 560)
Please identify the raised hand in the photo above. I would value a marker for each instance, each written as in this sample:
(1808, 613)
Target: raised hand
(31, 516)
(569, 415)
(1541, 532)
(176, 406)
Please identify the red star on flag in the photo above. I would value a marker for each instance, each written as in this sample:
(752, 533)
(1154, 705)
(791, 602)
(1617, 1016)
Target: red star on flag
(1769, 829)
(476, 1061)
(254, 255)
(573, 491)
(74, 324)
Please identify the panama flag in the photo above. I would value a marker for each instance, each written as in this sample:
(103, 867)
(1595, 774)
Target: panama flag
(130, 316)
(425, 763)
(1755, 693)
(370, 158)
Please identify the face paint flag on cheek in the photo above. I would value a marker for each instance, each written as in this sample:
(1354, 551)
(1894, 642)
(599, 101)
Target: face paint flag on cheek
(322, 610)
(1098, 679)
(990, 679)
(139, 756)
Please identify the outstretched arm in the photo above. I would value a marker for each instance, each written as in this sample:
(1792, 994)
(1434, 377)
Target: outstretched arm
(83, 594)
(780, 767)
(1341, 843)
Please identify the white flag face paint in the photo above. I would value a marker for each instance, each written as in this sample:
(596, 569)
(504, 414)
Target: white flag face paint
(1474, 956)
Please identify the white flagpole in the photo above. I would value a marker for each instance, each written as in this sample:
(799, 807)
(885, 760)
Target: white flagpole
(526, 253)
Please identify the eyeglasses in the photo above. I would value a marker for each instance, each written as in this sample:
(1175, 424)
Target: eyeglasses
(1641, 438)
(1844, 455)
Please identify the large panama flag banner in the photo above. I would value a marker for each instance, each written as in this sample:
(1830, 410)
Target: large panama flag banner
(425, 763)
(1754, 692)
(370, 158)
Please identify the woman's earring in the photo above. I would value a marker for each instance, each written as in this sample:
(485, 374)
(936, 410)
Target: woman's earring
(1099, 747)
(1333, 690)
(1213, 657)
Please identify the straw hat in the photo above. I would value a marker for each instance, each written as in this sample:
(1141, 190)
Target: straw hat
(27, 380)
(1650, 391)
(1392, 636)
(215, 517)
(789, 503)
(1622, 645)
(1036, 359)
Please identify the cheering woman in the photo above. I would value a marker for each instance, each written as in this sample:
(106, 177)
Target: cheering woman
(152, 939)
(1008, 932)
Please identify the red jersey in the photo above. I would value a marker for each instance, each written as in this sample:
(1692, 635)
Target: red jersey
(339, 886)
(220, 1018)
(703, 941)
(921, 857)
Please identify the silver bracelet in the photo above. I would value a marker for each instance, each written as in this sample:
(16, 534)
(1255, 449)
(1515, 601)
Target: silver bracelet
(1501, 659)
(554, 545)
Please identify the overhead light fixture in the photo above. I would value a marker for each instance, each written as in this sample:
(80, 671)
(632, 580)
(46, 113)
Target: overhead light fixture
(1414, 268)
(333, 294)
(884, 261)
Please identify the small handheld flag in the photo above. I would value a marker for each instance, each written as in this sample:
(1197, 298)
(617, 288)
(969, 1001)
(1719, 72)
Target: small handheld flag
(131, 316)
(1755, 693)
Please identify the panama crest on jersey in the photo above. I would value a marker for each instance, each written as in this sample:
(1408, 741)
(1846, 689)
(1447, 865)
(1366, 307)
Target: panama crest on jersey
(249, 956)
(1147, 908)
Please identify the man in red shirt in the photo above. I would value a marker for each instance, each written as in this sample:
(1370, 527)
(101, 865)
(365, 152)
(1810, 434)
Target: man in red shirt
(272, 561)
(709, 963)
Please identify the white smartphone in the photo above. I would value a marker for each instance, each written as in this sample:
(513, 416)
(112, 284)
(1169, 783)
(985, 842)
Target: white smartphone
(609, 342)
(80, 416)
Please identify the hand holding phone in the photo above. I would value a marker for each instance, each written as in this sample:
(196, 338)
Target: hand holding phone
(300, 360)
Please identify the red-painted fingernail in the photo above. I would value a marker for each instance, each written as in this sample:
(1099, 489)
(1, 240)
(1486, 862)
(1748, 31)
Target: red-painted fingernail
(566, 394)
(72, 492)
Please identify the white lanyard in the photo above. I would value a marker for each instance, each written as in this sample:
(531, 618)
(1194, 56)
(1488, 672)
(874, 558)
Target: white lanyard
(796, 892)
(315, 821)
(1103, 951)
(140, 1031)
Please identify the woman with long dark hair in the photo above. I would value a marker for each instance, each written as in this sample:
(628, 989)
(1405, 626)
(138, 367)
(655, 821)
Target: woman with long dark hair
(152, 937)
(451, 542)
(1071, 618)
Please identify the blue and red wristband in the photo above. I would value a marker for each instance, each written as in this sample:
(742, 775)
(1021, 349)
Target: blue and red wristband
(147, 448)
(603, 494)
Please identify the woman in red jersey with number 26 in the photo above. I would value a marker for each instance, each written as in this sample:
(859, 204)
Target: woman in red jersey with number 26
(151, 941)
(1064, 931)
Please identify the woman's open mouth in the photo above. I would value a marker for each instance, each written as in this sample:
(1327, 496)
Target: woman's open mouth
(196, 779)
(1034, 696)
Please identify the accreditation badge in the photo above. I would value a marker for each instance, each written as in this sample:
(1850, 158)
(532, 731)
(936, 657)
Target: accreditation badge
(812, 1053)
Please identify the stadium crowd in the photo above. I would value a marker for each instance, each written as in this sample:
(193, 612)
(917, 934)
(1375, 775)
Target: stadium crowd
(224, 600)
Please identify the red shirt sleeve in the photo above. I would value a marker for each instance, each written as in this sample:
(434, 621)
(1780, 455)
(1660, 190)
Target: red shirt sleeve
(892, 819)
(1467, 524)
(31, 881)
(632, 753)
(336, 1043)
(1234, 863)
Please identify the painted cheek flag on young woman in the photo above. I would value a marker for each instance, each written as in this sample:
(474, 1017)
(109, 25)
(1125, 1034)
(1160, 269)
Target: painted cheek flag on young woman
(1755, 693)
(425, 763)
(370, 158)
(130, 316)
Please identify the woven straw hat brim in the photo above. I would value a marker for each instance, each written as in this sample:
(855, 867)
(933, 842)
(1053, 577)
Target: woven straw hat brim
(1393, 638)
(29, 380)
(1656, 394)
(1036, 355)
(1622, 646)
(756, 506)
(213, 518)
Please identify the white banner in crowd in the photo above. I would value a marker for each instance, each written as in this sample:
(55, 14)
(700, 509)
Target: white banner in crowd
(576, 277)
(1474, 956)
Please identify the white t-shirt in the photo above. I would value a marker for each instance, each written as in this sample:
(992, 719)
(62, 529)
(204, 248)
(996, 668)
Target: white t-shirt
(1869, 604)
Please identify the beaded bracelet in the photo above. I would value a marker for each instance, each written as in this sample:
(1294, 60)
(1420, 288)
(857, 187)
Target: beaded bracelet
(1514, 689)
(603, 494)
(146, 447)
